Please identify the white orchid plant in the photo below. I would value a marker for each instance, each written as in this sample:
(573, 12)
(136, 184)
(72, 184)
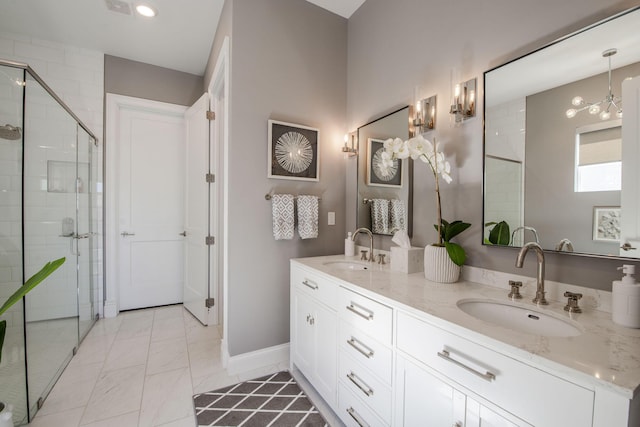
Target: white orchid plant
(420, 148)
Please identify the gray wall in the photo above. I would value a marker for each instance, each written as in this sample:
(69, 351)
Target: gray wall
(140, 80)
(395, 46)
(551, 205)
(289, 63)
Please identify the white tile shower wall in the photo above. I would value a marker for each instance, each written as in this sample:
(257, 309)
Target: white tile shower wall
(76, 75)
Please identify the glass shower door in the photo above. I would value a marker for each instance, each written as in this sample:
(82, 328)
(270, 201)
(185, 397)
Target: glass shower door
(49, 222)
(84, 236)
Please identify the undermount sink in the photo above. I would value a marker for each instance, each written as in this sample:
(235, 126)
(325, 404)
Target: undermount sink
(347, 265)
(520, 318)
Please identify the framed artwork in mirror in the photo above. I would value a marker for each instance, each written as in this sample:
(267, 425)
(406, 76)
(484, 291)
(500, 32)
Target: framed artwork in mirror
(293, 152)
(606, 223)
(377, 175)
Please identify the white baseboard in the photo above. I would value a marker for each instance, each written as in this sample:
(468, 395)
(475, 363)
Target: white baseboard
(224, 353)
(256, 359)
(110, 309)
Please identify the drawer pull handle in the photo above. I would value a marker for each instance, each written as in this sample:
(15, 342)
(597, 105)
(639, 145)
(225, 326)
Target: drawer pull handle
(360, 347)
(310, 284)
(355, 308)
(356, 417)
(486, 376)
(357, 381)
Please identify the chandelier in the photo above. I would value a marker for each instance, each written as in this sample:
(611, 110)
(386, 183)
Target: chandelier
(604, 107)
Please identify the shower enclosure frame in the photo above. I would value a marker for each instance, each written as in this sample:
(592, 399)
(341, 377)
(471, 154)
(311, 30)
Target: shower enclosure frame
(94, 287)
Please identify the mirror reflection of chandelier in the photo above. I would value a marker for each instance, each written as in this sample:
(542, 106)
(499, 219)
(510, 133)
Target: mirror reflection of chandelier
(604, 107)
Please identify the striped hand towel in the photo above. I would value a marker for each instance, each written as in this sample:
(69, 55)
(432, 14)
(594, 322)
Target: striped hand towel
(283, 218)
(308, 217)
(380, 216)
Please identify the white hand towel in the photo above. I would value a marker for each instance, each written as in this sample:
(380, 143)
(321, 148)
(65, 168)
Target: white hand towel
(398, 216)
(283, 218)
(380, 216)
(308, 217)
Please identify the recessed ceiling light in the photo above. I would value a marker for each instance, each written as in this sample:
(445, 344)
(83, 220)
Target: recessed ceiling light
(146, 10)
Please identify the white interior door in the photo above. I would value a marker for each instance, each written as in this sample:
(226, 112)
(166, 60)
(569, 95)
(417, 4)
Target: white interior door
(151, 163)
(197, 253)
(629, 196)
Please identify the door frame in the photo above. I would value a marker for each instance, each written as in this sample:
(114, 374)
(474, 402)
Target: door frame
(114, 103)
(219, 136)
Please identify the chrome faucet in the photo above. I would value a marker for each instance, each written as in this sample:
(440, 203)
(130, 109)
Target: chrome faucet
(368, 232)
(525, 228)
(564, 243)
(539, 299)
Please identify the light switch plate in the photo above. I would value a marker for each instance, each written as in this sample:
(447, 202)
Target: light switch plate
(331, 218)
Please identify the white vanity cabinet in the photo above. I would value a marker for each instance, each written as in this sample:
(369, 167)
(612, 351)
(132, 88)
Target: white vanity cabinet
(423, 399)
(314, 329)
(532, 395)
(379, 361)
(365, 360)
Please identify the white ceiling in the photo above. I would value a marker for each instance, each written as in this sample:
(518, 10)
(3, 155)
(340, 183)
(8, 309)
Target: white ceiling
(179, 37)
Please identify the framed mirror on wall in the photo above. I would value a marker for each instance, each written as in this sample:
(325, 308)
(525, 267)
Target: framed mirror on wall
(560, 144)
(384, 195)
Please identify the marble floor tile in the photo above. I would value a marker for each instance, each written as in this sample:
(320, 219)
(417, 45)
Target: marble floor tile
(167, 355)
(168, 328)
(135, 327)
(126, 420)
(189, 421)
(167, 398)
(69, 418)
(213, 382)
(68, 395)
(168, 312)
(116, 392)
(127, 352)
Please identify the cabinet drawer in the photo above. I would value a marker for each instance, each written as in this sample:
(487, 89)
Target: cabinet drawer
(371, 354)
(373, 392)
(506, 382)
(372, 317)
(353, 412)
(324, 290)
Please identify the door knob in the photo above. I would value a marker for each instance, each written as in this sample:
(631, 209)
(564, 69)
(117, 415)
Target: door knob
(627, 247)
(126, 233)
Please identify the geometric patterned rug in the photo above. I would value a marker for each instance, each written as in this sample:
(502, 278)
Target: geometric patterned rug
(271, 401)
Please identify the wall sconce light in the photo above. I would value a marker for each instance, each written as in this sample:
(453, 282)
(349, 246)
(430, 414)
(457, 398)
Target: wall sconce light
(424, 115)
(350, 150)
(464, 100)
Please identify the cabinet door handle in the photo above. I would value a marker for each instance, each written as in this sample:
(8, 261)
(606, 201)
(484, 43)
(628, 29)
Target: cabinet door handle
(360, 347)
(356, 417)
(310, 284)
(486, 376)
(360, 384)
(357, 309)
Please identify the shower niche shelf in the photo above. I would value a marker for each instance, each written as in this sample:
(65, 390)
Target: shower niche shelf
(62, 178)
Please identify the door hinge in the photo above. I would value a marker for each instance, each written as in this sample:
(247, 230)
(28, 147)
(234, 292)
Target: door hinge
(210, 178)
(211, 115)
(209, 302)
(209, 240)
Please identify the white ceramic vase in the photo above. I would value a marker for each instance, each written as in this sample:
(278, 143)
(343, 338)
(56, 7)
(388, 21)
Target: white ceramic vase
(438, 267)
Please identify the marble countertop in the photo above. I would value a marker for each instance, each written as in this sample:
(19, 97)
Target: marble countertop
(605, 355)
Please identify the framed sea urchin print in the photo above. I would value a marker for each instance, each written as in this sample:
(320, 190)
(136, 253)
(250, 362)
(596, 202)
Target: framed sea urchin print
(293, 152)
(377, 174)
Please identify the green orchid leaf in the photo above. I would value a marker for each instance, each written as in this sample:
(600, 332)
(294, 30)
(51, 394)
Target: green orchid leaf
(454, 229)
(3, 329)
(456, 253)
(33, 281)
(500, 234)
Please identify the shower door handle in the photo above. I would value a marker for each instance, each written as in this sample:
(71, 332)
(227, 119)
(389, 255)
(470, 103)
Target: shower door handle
(127, 234)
